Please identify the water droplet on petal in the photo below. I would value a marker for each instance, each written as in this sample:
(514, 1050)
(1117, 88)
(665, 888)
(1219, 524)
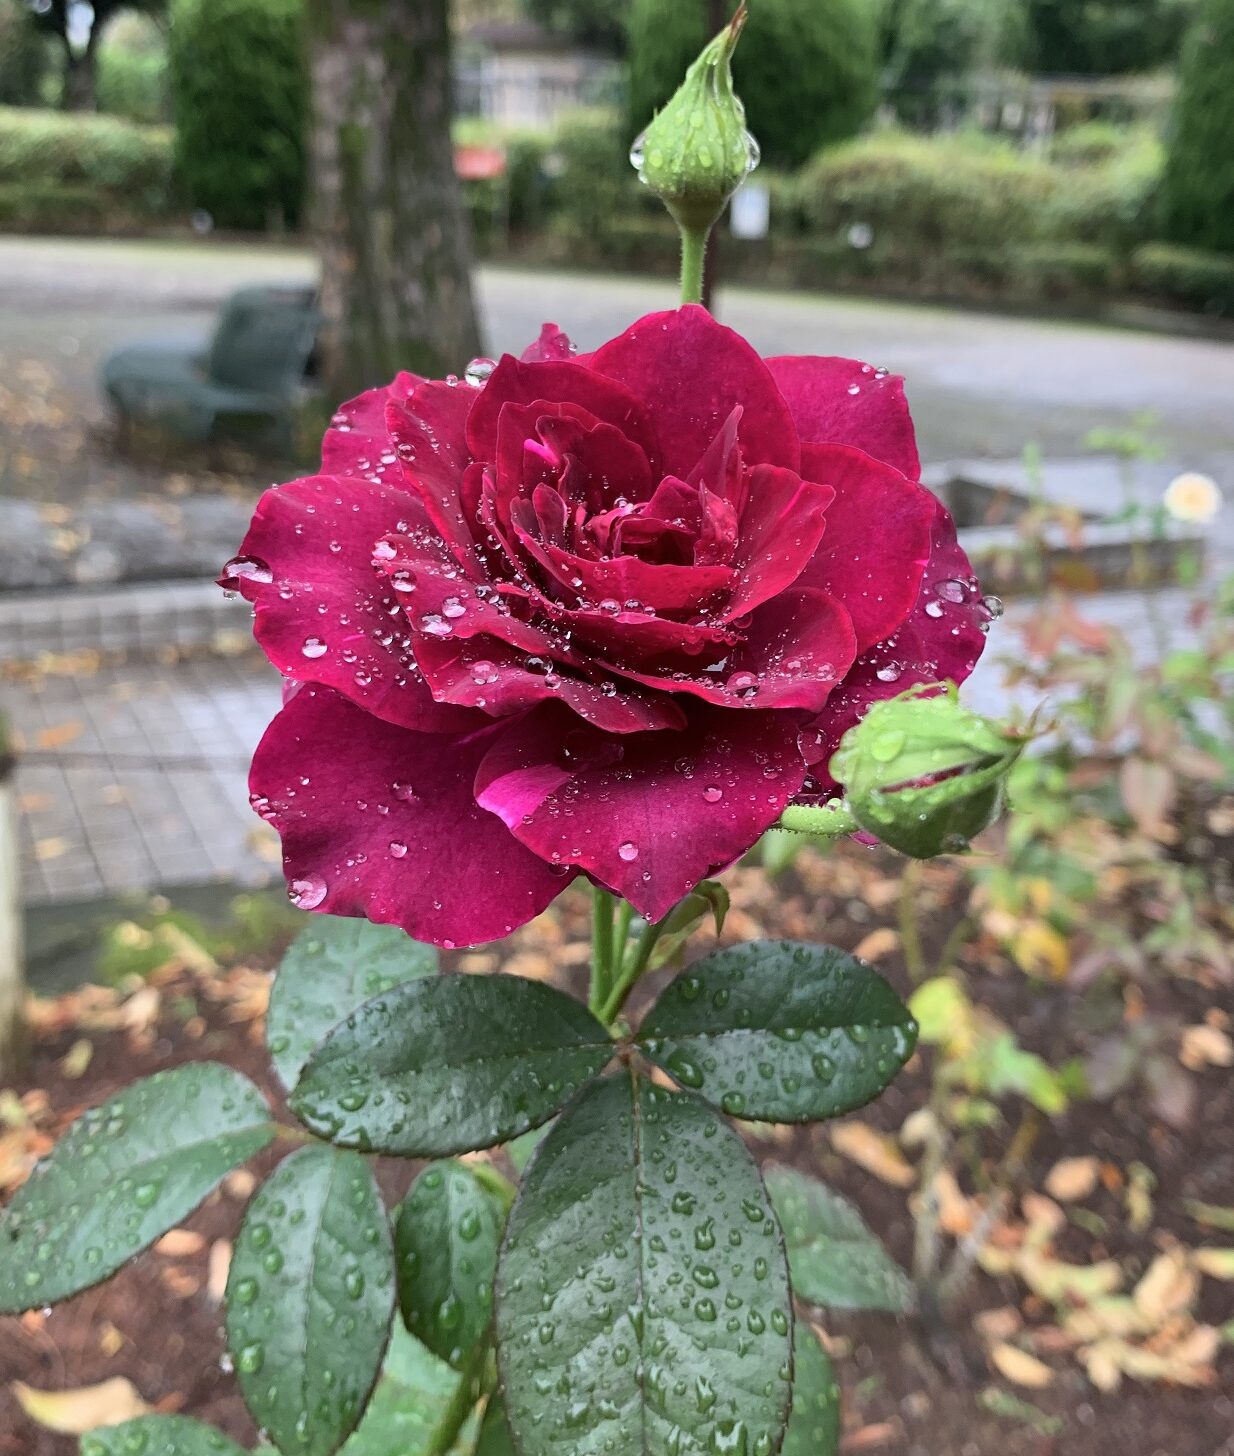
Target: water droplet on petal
(307, 893)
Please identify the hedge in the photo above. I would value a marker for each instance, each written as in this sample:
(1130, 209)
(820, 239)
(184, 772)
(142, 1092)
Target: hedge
(239, 85)
(75, 171)
(1186, 276)
(953, 194)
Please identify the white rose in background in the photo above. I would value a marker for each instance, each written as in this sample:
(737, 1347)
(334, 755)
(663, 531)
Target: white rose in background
(1193, 498)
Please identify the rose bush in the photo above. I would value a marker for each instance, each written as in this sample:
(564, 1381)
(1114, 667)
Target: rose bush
(604, 615)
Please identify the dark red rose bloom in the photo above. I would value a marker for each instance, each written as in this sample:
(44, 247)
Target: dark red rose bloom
(604, 615)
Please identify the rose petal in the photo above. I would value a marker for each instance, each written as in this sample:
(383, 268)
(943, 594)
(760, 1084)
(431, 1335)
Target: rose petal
(381, 822)
(795, 651)
(357, 442)
(321, 613)
(778, 533)
(845, 402)
(559, 382)
(551, 344)
(427, 435)
(877, 542)
(654, 819)
(503, 680)
(691, 372)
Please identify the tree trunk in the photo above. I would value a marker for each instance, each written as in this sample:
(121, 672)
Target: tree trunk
(388, 211)
(80, 70)
(12, 981)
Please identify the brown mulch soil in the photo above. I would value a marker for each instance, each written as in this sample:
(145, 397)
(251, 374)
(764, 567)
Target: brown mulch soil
(908, 1390)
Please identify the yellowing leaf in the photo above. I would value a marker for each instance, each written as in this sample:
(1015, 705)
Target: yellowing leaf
(1020, 1367)
(874, 1152)
(1057, 1281)
(1040, 950)
(1216, 1263)
(1071, 1179)
(944, 1015)
(74, 1412)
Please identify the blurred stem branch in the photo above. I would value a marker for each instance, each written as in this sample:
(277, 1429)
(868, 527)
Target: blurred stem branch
(910, 935)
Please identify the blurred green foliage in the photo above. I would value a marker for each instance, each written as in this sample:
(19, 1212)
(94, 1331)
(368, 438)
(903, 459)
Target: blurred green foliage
(76, 170)
(1198, 189)
(239, 84)
(23, 55)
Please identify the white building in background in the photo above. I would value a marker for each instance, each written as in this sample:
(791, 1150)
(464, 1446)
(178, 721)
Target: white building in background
(519, 76)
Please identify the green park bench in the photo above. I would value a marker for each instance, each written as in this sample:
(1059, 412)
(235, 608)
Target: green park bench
(249, 378)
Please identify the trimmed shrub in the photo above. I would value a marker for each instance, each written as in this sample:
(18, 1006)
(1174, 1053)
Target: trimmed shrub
(807, 70)
(1186, 276)
(133, 84)
(968, 192)
(595, 183)
(1197, 194)
(1110, 201)
(936, 195)
(239, 83)
(65, 170)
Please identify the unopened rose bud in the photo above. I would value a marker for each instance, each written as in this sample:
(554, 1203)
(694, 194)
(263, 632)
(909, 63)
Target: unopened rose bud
(697, 151)
(924, 774)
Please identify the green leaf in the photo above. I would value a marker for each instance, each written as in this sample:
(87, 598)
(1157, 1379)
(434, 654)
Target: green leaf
(445, 1242)
(122, 1175)
(159, 1436)
(814, 1426)
(836, 1261)
(450, 1064)
(334, 965)
(411, 1397)
(494, 1438)
(310, 1296)
(643, 1304)
(780, 1031)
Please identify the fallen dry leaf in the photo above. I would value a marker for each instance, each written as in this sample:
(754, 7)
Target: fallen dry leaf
(110, 1339)
(76, 1060)
(59, 735)
(1071, 1179)
(870, 1437)
(876, 944)
(1020, 1367)
(1169, 1286)
(873, 1151)
(53, 847)
(998, 1324)
(1205, 1046)
(217, 1269)
(74, 1412)
(180, 1243)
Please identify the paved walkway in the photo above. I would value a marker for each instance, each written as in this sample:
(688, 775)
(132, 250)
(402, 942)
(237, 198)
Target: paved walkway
(142, 781)
(981, 384)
